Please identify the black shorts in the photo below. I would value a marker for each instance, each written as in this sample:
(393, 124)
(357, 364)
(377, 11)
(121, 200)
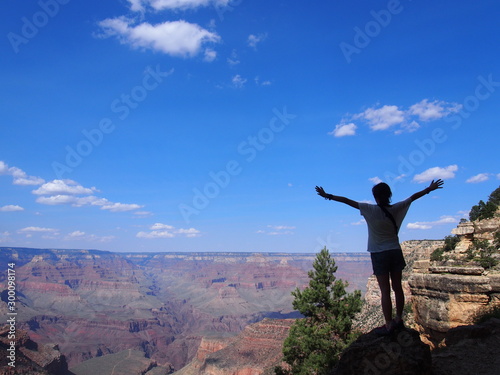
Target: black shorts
(389, 261)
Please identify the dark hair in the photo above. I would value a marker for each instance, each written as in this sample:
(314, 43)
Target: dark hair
(382, 194)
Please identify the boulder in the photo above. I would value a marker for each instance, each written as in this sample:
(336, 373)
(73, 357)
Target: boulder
(471, 349)
(402, 353)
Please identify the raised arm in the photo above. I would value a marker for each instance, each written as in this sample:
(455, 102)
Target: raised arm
(433, 186)
(336, 198)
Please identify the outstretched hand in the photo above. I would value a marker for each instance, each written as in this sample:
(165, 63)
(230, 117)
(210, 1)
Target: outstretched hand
(321, 192)
(438, 184)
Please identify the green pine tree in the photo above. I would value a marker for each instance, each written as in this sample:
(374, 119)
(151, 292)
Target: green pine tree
(315, 342)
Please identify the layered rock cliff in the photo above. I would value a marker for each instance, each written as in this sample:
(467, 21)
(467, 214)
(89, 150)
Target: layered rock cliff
(255, 351)
(451, 293)
(26, 356)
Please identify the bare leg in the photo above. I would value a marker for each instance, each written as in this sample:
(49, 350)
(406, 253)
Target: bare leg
(385, 290)
(398, 293)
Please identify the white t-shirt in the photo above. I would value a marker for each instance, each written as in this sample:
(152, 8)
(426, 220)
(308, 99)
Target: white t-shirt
(382, 235)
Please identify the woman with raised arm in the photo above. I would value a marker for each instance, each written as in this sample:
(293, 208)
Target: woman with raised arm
(384, 221)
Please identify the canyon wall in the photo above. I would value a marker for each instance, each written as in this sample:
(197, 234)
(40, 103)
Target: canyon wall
(95, 303)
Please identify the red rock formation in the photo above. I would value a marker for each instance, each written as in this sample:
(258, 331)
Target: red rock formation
(256, 350)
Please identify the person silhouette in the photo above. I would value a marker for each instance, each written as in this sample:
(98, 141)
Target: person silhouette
(383, 221)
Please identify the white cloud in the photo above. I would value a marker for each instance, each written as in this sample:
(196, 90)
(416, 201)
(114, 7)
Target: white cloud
(120, 207)
(481, 177)
(176, 38)
(384, 117)
(361, 222)
(64, 187)
(143, 213)
(342, 130)
(19, 176)
(87, 201)
(423, 225)
(37, 229)
(76, 233)
(159, 230)
(82, 236)
(210, 55)
(140, 5)
(400, 119)
(11, 208)
(375, 180)
(428, 111)
(160, 226)
(233, 59)
(435, 173)
(258, 82)
(253, 40)
(238, 81)
(280, 227)
(277, 230)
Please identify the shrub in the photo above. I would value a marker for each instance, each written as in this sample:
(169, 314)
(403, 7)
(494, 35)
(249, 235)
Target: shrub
(486, 210)
(314, 343)
(450, 242)
(484, 252)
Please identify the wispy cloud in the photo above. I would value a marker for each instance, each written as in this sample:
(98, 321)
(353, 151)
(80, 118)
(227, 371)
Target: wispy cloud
(157, 5)
(60, 192)
(277, 230)
(82, 236)
(481, 177)
(437, 109)
(253, 40)
(63, 187)
(19, 176)
(238, 81)
(159, 230)
(343, 130)
(395, 118)
(430, 224)
(11, 208)
(175, 38)
(435, 173)
(382, 118)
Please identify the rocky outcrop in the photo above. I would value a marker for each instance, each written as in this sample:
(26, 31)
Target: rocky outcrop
(257, 350)
(475, 230)
(452, 293)
(442, 301)
(471, 349)
(29, 357)
(400, 353)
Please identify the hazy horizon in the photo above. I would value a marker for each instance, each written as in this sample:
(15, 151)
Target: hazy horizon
(149, 126)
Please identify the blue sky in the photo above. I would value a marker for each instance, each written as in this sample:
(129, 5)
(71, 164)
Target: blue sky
(204, 125)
